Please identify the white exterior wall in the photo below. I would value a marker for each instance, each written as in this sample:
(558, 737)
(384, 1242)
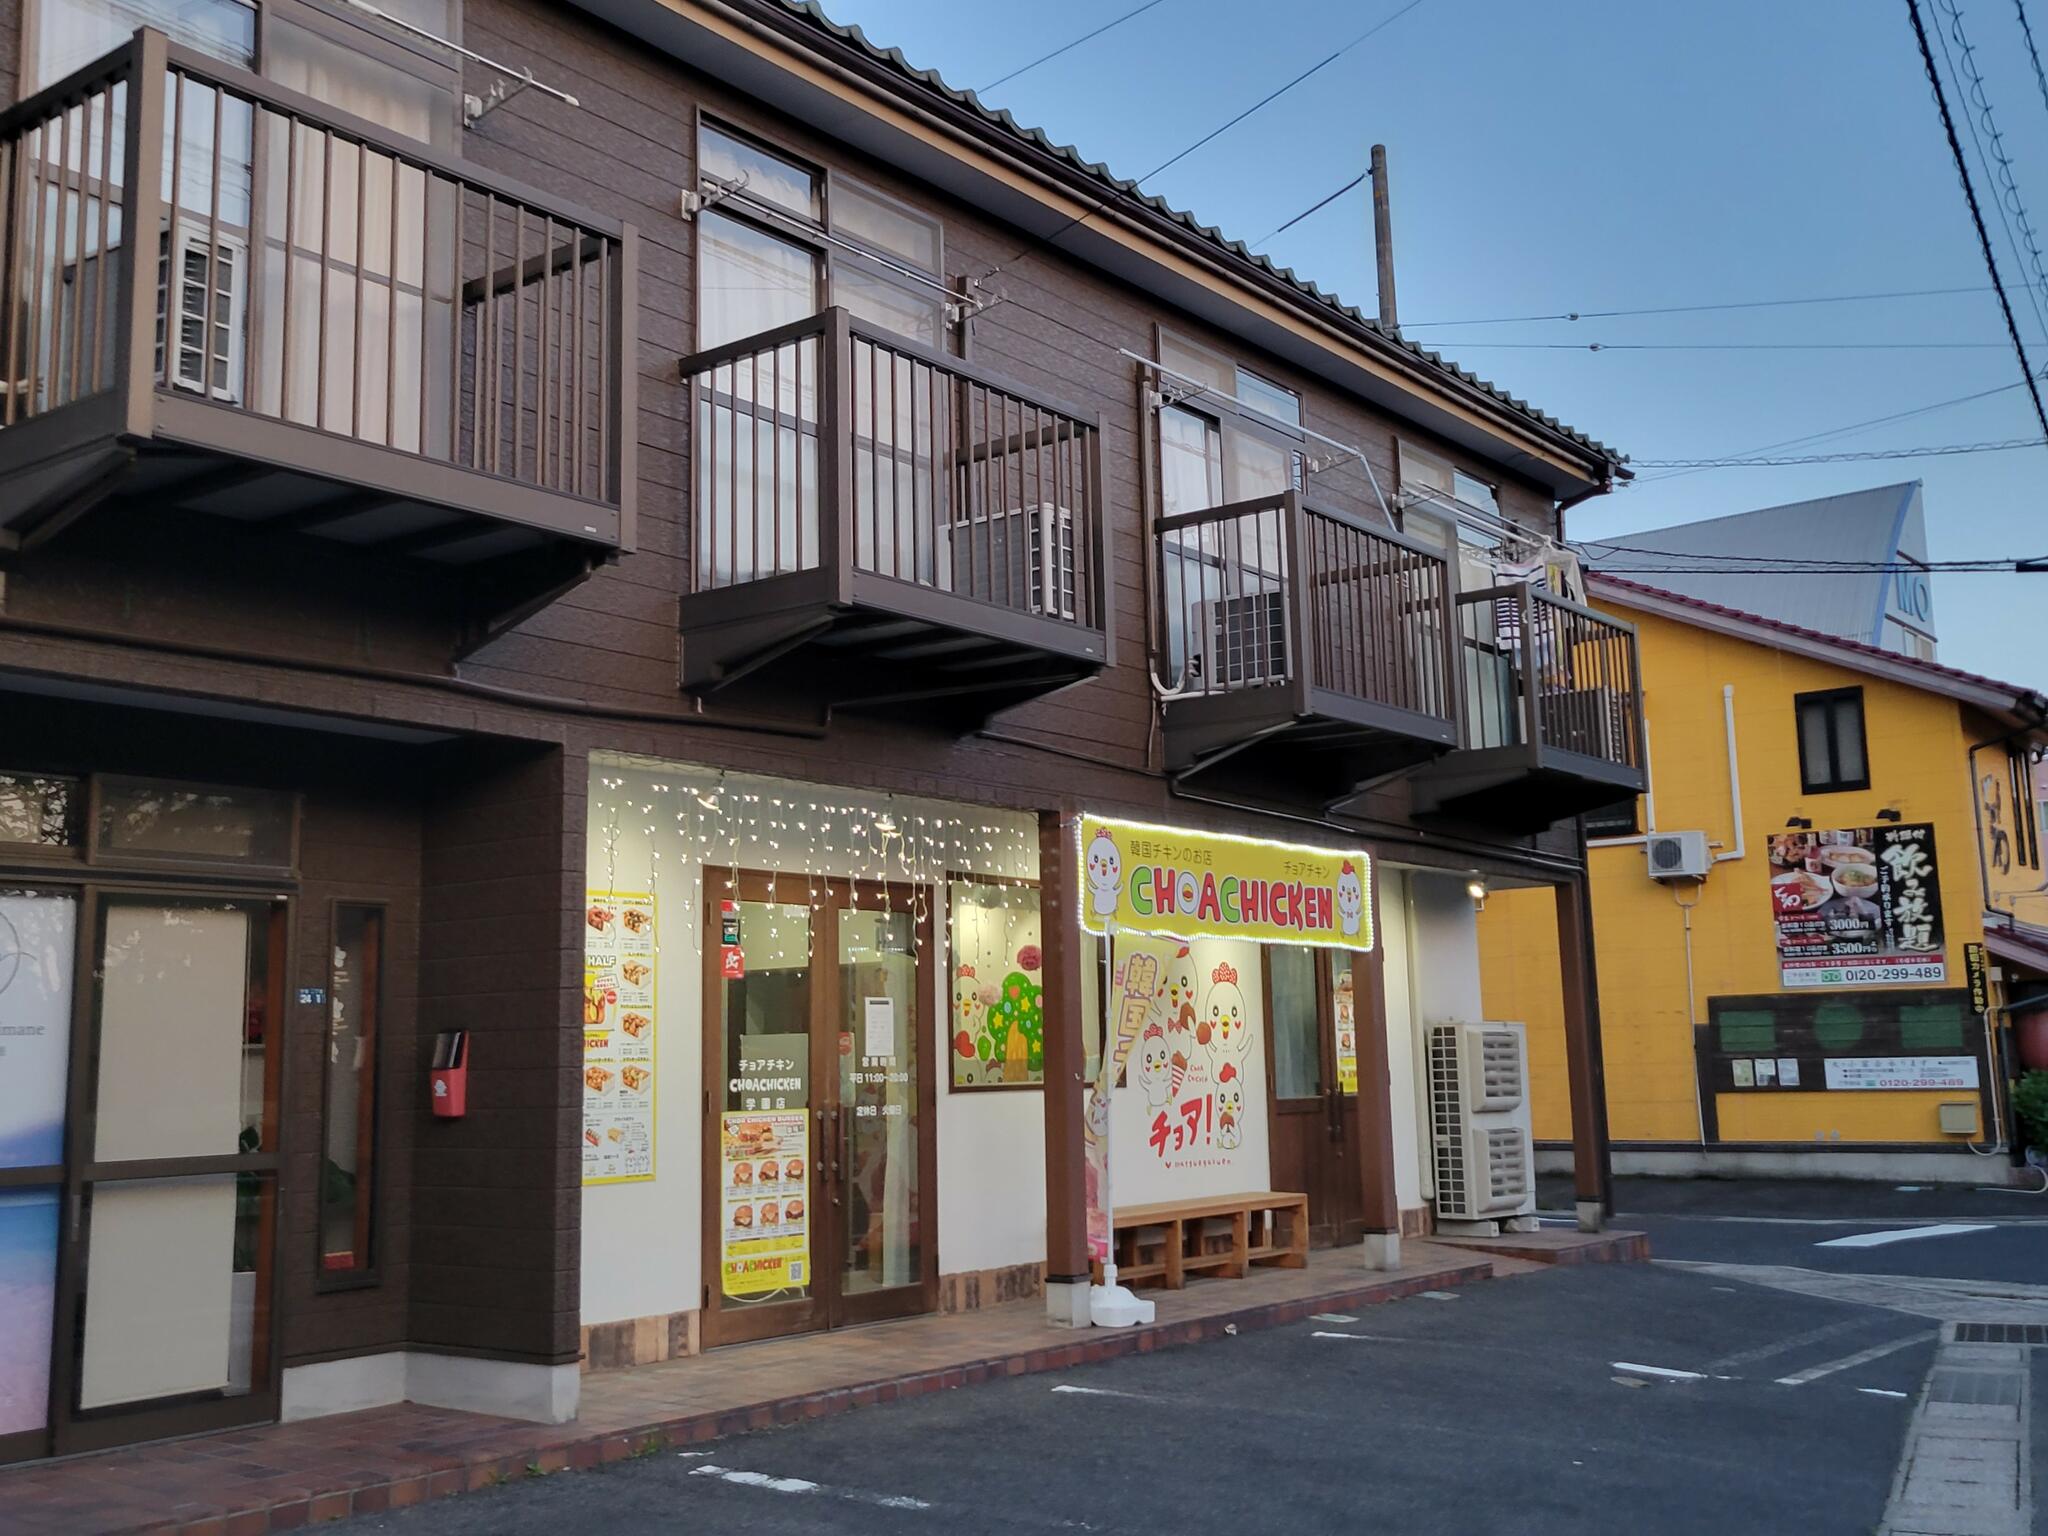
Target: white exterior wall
(1432, 971)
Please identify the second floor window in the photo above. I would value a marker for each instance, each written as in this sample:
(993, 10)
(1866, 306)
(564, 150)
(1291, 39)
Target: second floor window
(335, 55)
(1832, 753)
(791, 240)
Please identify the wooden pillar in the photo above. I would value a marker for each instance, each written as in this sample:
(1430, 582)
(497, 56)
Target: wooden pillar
(1583, 1068)
(1066, 1189)
(1382, 1205)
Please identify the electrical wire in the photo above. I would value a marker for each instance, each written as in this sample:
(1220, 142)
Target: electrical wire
(1085, 37)
(2010, 207)
(1313, 208)
(1730, 346)
(1936, 451)
(1819, 562)
(1955, 148)
(1998, 568)
(1707, 309)
(1129, 189)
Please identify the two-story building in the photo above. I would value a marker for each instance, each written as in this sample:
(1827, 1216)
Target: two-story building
(570, 576)
(1811, 923)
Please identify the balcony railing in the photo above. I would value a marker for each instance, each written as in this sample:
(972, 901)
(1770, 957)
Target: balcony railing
(195, 256)
(1540, 670)
(1281, 615)
(837, 463)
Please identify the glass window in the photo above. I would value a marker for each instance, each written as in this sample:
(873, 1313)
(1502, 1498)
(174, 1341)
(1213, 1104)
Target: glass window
(146, 820)
(39, 809)
(70, 34)
(897, 304)
(1190, 461)
(349, 1136)
(768, 178)
(997, 1029)
(1831, 743)
(1474, 492)
(1616, 820)
(38, 932)
(1195, 362)
(1254, 467)
(884, 225)
(1297, 1028)
(1268, 399)
(347, 77)
(749, 281)
(183, 1024)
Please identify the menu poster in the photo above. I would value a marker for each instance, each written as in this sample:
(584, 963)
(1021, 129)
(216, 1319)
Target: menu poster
(764, 1202)
(1346, 1024)
(618, 1037)
(1857, 906)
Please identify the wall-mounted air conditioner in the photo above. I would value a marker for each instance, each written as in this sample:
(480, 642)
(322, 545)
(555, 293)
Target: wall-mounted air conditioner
(1677, 855)
(1479, 1122)
(1241, 641)
(1025, 560)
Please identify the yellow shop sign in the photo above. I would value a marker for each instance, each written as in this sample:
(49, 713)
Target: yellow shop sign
(1192, 885)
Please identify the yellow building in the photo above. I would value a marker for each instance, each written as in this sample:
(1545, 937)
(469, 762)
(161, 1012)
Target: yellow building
(1791, 921)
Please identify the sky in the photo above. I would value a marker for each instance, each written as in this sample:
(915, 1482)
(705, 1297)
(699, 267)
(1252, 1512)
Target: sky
(1611, 154)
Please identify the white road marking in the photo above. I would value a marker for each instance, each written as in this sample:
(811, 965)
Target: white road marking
(1849, 1362)
(1880, 1392)
(1096, 1392)
(1438, 1295)
(803, 1485)
(1664, 1371)
(1332, 1317)
(1906, 1234)
(1376, 1338)
(755, 1479)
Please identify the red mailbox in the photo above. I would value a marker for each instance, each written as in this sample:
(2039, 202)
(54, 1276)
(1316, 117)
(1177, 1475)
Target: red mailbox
(451, 1074)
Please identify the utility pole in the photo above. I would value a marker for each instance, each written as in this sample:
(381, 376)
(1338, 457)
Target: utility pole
(1383, 238)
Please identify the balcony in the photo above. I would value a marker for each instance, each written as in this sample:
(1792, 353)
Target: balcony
(1310, 652)
(880, 525)
(220, 296)
(1553, 713)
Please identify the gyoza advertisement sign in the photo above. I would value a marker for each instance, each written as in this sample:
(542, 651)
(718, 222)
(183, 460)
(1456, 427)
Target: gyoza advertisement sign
(1857, 906)
(1184, 884)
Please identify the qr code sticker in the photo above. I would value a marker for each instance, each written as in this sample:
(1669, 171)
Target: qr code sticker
(796, 1273)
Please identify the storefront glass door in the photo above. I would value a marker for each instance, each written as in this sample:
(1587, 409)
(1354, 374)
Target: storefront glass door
(1314, 1075)
(818, 1197)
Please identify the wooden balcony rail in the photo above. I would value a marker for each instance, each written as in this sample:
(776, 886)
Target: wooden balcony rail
(1256, 591)
(1542, 671)
(177, 233)
(831, 444)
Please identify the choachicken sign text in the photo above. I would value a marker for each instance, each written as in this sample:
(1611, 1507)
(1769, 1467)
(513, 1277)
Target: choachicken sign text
(1189, 884)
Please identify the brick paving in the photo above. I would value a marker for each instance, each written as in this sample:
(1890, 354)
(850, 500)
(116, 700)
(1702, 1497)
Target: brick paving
(280, 1477)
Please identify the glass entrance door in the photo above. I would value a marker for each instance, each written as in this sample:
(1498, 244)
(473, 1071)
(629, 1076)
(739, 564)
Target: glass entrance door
(172, 1201)
(818, 1146)
(1314, 1014)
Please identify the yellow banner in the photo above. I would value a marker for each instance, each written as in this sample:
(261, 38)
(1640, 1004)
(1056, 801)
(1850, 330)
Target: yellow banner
(1185, 884)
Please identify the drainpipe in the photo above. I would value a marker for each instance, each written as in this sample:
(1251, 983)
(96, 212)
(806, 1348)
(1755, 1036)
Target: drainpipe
(1734, 776)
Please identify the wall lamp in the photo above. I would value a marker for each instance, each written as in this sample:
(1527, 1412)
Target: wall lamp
(1890, 813)
(1805, 822)
(1476, 889)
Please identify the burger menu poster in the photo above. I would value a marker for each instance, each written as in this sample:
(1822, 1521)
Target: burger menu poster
(764, 1202)
(1857, 906)
(618, 1037)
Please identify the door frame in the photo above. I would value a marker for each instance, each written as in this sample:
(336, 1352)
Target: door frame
(827, 1306)
(69, 1430)
(1339, 1111)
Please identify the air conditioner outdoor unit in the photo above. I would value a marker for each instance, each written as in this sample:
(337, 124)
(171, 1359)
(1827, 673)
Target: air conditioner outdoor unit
(1677, 855)
(1242, 640)
(1026, 559)
(1479, 1122)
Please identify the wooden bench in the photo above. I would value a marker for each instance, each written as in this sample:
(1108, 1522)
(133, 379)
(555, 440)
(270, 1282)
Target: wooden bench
(1169, 1240)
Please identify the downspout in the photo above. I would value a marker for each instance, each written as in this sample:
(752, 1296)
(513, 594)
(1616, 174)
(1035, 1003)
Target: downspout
(1734, 777)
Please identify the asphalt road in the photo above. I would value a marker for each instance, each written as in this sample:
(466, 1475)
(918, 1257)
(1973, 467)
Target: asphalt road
(1501, 1410)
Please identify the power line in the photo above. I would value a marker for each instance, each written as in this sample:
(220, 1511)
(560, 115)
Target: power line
(1875, 568)
(1313, 208)
(1955, 149)
(1940, 450)
(1730, 346)
(1819, 562)
(2033, 53)
(2009, 204)
(1263, 102)
(1085, 37)
(1707, 309)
